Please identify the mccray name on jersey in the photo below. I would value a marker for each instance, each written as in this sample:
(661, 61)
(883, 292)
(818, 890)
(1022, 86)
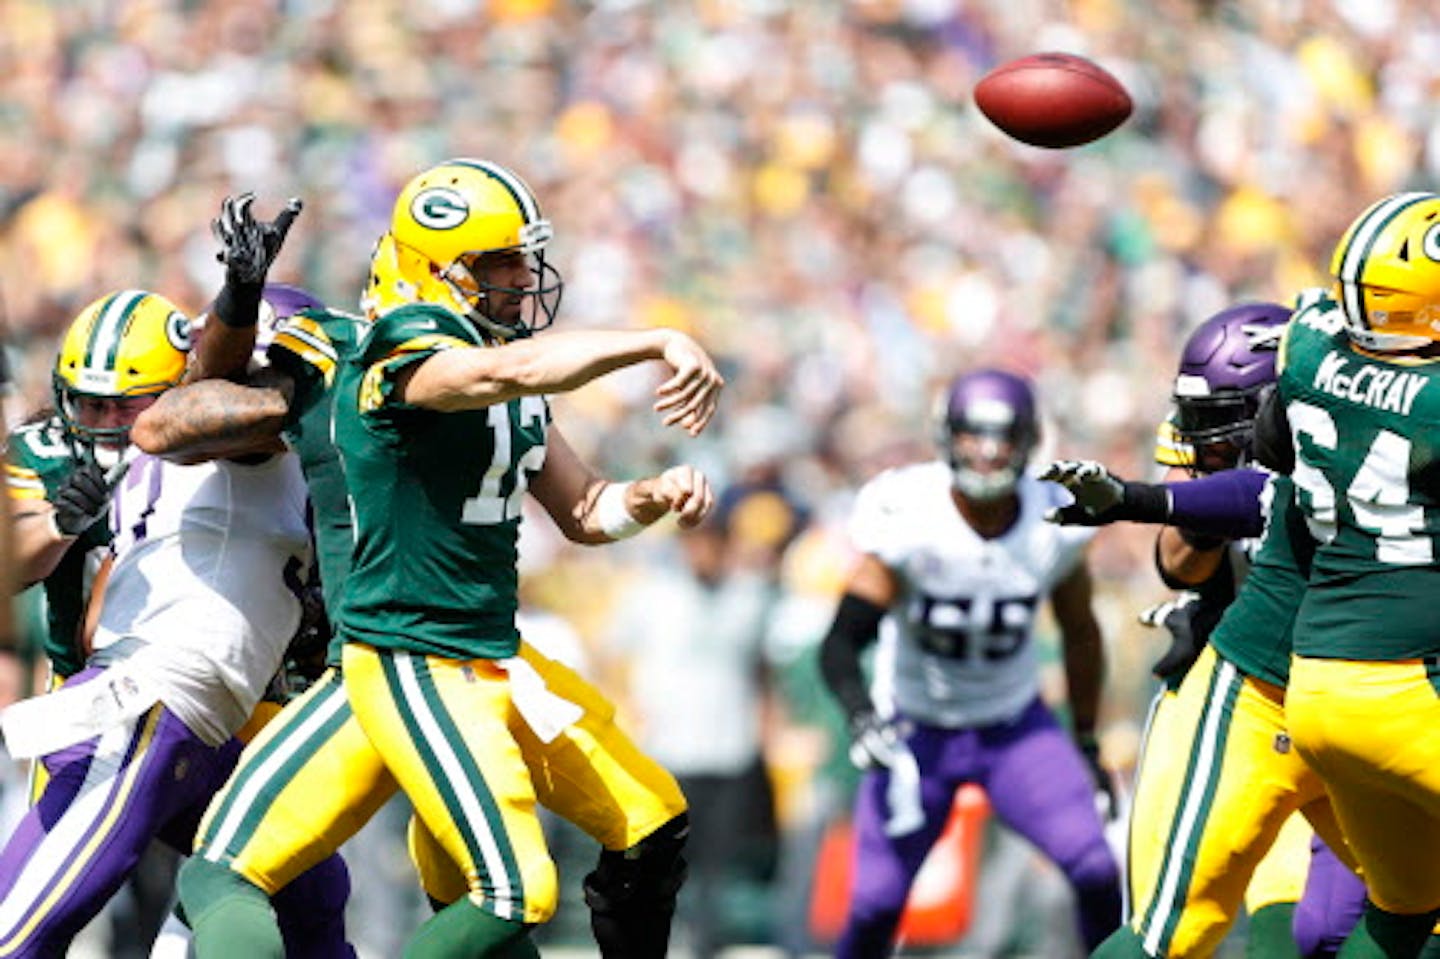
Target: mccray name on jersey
(1350, 378)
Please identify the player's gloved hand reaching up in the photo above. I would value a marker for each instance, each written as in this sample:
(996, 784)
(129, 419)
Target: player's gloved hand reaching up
(874, 740)
(248, 246)
(1102, 498)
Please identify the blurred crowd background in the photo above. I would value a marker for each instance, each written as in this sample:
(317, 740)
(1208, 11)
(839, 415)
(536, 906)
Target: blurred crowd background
(803, 184)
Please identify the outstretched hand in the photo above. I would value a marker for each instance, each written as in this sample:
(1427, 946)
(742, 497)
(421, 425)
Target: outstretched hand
(689, 397)
(1096, 492)
(248, 246)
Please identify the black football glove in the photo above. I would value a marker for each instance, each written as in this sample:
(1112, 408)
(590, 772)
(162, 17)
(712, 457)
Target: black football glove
(874, 741)
(248, 246)
(1105, 799)
(1190, 622)
(1102, 498)
(84, 498)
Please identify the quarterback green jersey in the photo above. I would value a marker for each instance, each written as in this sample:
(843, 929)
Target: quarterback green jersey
(1255, 632)
(310, 347)
(1367, 440)
(435, 497)
(41, 459)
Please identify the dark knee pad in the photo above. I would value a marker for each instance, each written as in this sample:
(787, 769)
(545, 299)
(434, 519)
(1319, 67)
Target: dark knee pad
(631, 893)
(311, 910)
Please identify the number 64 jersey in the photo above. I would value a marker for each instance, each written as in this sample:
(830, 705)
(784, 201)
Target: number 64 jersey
(956, 649)
(1364, 427)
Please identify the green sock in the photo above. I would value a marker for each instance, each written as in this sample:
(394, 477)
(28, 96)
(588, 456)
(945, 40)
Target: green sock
(1123, 943)
(1432, 948)
(1272, 933)
(1386, 935)
(463, 930)
(229, 915)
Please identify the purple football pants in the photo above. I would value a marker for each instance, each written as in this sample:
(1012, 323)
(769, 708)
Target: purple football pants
(1331, 905)
(1037, 784)
(107, 798)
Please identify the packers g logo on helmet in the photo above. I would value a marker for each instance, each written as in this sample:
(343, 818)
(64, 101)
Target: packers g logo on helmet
(1387, 273)
(444, 222)
(126, 344)
(178, 331)
(439, 208)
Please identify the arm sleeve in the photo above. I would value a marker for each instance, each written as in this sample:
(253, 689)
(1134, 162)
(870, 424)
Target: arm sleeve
(1223, 504)
(857, 622)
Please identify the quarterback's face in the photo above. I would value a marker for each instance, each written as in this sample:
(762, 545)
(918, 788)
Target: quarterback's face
(502, 281)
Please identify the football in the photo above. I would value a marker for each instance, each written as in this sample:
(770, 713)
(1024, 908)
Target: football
(1053, 100)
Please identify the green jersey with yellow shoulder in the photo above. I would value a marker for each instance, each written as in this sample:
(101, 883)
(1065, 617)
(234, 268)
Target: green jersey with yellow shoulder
(435, 497)
(1366, 430)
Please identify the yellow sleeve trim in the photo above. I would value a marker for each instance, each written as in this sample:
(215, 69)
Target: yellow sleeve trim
(428, 342)
(23, 482)
(323, 362)
(24, 489)
(372, 387)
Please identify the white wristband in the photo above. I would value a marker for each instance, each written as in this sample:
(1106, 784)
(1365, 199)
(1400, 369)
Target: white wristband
(614, 519)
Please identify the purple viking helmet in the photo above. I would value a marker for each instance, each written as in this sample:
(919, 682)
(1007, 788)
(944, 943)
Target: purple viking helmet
(988, 427)
(1226, 362)
(285, 300)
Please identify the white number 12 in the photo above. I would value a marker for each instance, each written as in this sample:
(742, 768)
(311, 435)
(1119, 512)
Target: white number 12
(488, 507)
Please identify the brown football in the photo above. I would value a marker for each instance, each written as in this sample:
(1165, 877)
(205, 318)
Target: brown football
(1053, 100)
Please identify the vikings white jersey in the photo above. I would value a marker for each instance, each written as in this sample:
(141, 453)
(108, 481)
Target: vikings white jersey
(209, 561)
(956, 649)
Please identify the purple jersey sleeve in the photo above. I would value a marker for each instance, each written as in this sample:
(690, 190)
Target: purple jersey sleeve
(1222, 504)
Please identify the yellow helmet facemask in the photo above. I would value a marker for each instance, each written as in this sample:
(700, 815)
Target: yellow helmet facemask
(446, 222)
(127, 344)
(1387, 273)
